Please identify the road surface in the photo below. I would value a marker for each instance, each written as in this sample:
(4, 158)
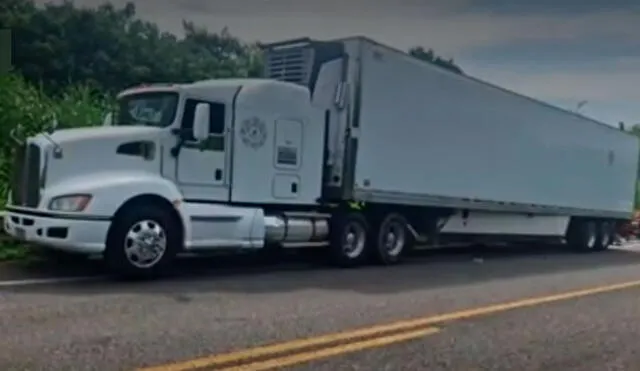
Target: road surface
(526, 309)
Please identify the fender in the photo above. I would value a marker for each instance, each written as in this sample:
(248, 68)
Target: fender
(110, 190)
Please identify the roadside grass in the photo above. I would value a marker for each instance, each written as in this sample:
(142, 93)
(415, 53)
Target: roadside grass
(16, 252)
(12, 250)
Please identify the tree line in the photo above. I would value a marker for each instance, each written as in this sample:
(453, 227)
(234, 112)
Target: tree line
(110, 48)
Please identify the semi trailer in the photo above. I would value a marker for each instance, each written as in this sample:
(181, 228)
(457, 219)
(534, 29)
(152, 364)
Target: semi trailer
(344, 145)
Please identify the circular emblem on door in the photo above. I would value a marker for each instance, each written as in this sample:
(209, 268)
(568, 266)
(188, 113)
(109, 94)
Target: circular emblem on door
(253, 132)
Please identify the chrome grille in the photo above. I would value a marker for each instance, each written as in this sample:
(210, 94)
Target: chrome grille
(25, 183)
(17, 194)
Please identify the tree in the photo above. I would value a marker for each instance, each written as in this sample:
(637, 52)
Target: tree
(635, 130)
(429, 56)
(109, 48)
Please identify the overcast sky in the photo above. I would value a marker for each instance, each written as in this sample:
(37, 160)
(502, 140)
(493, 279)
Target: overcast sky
(562, 54)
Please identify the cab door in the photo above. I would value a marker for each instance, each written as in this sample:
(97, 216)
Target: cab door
(201, 168)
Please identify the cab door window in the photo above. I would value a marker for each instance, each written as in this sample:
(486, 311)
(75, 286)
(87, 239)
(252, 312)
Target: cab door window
(217, 120)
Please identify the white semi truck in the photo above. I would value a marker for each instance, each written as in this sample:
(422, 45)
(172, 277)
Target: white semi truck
(345, 145)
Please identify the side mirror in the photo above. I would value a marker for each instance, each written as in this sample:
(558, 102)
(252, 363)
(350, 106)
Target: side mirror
(201, 122)
(108, 119)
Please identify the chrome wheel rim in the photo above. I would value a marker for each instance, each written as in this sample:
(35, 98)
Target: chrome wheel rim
(353, 240)
(145, 244)
(606, 236)
(393, 237)
(591, 240)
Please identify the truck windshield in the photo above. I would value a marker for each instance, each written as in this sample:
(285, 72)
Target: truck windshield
(150, 109)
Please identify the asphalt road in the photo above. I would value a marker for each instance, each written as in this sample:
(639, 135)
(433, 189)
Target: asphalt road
(525, 309)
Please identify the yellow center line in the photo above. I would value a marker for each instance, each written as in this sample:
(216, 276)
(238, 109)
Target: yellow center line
(314, 355)
(379, 330)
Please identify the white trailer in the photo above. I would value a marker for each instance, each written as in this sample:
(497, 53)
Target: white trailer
(346, 145)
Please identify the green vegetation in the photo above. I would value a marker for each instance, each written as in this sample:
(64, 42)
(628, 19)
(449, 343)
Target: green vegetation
(71, 61)
(23, 103)
(429, 56)
(11, 250)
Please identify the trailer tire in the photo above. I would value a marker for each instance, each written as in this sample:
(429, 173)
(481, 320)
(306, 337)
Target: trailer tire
(605, 236)
(392, 239)
(349, 235)
(153, 228)
(583, 235)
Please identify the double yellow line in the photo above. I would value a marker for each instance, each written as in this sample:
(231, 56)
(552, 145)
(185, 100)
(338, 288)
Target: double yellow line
(294, 352)
(331, 351)
(303, 350)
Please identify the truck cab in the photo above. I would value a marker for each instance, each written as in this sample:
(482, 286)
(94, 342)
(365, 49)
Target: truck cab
(175, 167)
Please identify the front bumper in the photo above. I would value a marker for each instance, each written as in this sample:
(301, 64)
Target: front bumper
(84, 234)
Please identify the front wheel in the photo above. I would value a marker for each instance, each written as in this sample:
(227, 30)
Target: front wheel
(142, 242)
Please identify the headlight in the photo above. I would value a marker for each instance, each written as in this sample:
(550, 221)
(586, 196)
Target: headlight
(70, 203)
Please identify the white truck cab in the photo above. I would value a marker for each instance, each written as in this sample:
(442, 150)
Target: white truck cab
(173, 168)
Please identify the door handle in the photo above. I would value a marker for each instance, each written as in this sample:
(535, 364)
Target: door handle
(218, 174)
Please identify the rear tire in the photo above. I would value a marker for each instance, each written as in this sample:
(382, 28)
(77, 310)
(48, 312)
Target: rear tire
(606, 235)
(392, 239)
(143, 242)
(349, 233)
(583, 235)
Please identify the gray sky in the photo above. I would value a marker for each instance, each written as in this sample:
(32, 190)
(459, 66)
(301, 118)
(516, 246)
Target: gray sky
(562, 54)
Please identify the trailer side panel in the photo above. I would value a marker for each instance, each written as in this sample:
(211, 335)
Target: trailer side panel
(430, 136)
